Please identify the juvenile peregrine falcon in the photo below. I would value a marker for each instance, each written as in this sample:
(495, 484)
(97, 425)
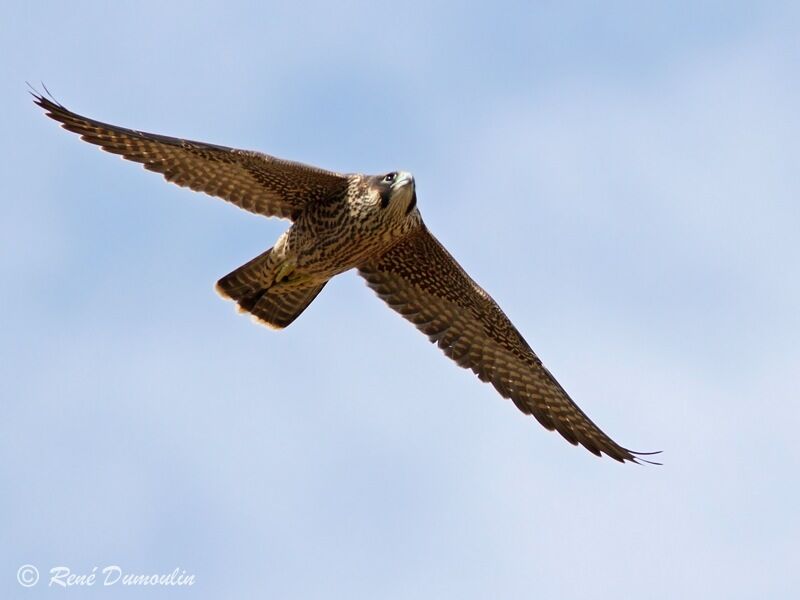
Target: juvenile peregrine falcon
(367, 222)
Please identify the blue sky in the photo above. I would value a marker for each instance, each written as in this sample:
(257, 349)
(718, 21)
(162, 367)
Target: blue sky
(622, 177)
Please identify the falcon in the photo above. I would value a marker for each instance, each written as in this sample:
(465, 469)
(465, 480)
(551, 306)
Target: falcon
(353, 221)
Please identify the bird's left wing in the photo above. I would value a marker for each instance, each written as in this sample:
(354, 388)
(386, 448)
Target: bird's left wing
(253, 181)
(419, 279)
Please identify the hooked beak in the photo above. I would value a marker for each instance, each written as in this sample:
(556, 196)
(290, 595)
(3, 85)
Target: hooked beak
(405, 185)
(404, 178)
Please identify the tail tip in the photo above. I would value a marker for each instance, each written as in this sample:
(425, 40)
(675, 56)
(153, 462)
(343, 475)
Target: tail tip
(218, 287)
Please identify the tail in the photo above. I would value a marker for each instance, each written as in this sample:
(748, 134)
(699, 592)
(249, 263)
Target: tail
(251, 287)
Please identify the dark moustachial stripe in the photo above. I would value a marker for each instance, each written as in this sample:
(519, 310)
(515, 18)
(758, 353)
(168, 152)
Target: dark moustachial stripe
(386, 195)
(413, 203)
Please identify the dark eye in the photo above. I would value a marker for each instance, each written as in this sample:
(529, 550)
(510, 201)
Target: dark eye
(390, 177)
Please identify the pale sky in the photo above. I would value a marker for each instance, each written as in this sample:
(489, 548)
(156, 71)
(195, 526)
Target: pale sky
(622, 177)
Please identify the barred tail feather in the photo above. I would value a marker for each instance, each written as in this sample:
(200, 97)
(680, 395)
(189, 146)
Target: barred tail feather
(275, 306)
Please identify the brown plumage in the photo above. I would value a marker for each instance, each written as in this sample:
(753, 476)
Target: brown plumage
(370, 223)
(253, 181)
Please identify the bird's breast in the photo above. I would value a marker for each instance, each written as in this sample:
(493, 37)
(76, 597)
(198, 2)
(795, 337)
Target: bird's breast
(333, 241)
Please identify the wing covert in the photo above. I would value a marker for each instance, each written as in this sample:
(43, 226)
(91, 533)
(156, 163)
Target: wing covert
(253, 181)
(419, 279)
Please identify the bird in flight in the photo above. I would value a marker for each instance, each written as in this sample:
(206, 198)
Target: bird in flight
(352, 221)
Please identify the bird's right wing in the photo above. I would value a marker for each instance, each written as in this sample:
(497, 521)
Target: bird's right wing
(253, 181)
(419, 279)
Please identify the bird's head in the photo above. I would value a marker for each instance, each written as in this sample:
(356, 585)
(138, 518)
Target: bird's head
(396, 191)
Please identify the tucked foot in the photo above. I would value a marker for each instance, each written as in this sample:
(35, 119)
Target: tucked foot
(285, 271)
(286, 274)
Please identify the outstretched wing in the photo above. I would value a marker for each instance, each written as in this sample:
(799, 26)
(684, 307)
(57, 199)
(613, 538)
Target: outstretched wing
(253, 181)
(419, 279)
